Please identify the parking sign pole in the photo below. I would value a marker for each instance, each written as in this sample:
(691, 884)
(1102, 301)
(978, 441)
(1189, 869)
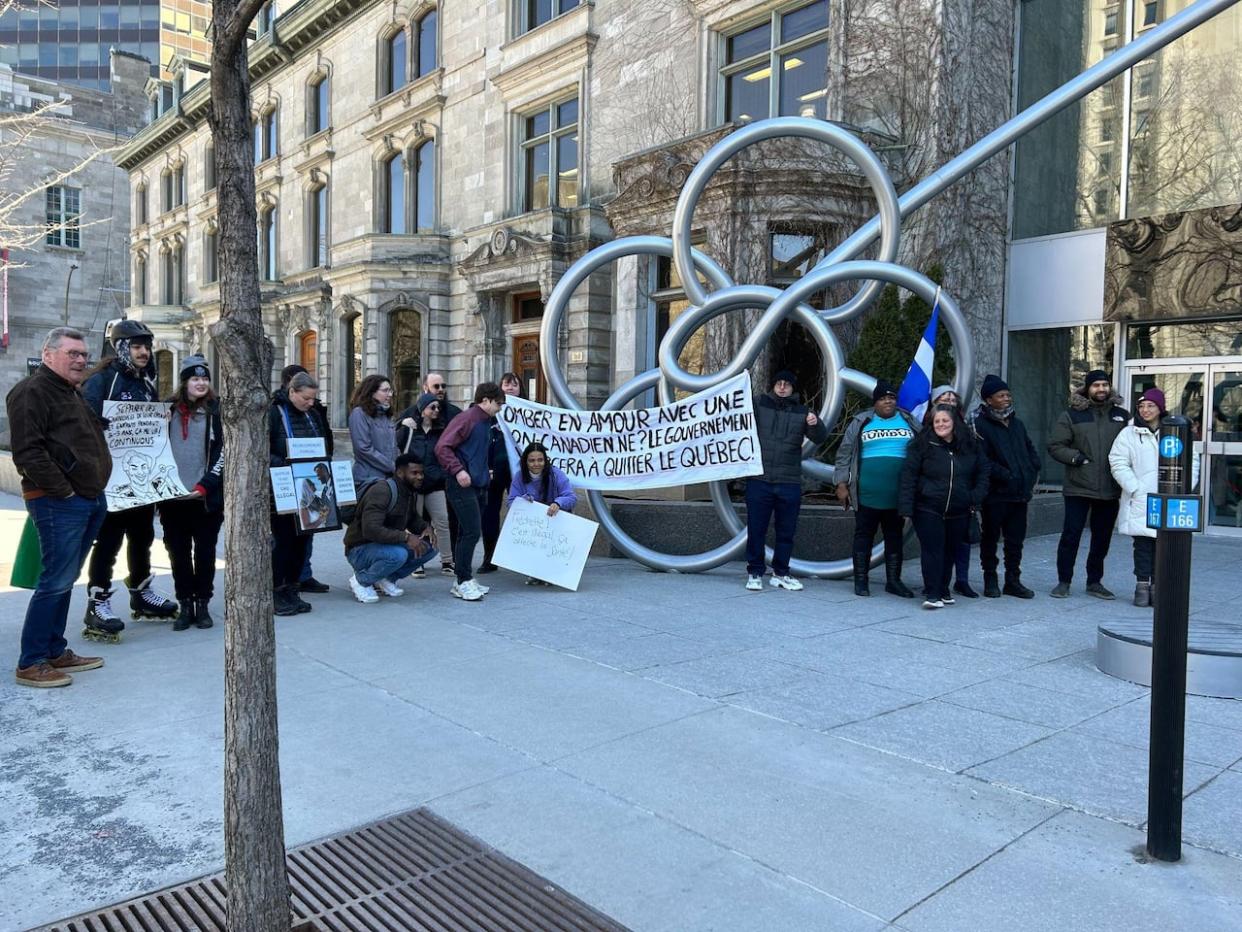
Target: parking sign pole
(1169, 642)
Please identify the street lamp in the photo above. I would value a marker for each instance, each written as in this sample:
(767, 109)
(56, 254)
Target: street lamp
(72, 268)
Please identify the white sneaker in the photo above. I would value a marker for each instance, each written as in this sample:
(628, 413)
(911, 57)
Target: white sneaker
(482, 588)
(754, 583)
(470, 591)
(933, 604)
(784, 582)
(949, 600)
(389, 588)
(364, 594)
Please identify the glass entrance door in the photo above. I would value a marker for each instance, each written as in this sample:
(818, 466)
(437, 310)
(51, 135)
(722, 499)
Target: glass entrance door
(1210, 396)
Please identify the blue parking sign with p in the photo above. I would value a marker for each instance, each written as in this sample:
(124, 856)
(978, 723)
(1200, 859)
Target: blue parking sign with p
(1170, 446)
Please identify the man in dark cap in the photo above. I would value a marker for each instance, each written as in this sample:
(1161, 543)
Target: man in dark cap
(781, 422)
(1081, 439)
(1014, 469)
(867, 474)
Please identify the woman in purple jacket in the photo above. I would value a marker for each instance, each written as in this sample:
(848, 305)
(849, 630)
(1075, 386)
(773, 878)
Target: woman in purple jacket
(537, 480)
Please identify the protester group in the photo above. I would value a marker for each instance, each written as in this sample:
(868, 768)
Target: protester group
(431, 482)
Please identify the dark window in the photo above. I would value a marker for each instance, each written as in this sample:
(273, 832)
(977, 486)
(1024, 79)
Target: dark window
(64, 208)
(394, 62)
(527, 306)
(318, 228)
(271, 135)
(394, 195)
(267, 244)
(140, 281)
(550, 151)
(1151, 13)
(425, 186)
(209, 168)
(425, 49)
(211, 256)
(318, 109)
(142, 204)
(778, 67)
(534, 13)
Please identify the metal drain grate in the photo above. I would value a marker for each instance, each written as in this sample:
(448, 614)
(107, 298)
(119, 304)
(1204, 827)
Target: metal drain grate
(411, 872)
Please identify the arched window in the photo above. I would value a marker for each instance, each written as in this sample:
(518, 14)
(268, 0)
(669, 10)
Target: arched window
(425, 186)
(308, 351)
(258, 141)
(318, 117)
(174, 275)
(166, 190)
(394, 194)
(209, 167)
(425, 59)
(317, 227)
(395, 55)
(140, 281)
(352, 332)
(211, 255)
(141, 204)
(405, 349)
(267, 244)
(271, 134)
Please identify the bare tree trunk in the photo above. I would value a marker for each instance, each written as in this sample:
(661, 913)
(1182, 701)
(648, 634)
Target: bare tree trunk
(258, 892)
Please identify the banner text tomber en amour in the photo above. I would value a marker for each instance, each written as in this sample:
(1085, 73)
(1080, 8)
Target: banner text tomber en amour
(701, 438)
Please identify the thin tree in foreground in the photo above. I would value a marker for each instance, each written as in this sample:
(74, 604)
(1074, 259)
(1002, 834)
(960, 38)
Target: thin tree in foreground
(254, 846)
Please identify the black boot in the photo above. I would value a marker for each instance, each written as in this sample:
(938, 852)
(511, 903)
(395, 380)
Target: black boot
(202, 616)
(862, 565)
(1014, 587)
(991, 585)
(283, 602)
(298, 602)
(892, 572)
(185, 617)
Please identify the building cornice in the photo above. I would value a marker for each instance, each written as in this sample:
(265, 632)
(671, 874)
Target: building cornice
(305, 24)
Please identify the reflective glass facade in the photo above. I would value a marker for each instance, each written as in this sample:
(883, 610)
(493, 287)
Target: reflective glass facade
(1158, 139)
(71, 42)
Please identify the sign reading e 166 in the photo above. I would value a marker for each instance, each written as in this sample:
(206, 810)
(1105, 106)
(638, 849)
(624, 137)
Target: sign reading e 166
(1174, 512)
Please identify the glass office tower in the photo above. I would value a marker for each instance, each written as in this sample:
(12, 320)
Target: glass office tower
(70, 42)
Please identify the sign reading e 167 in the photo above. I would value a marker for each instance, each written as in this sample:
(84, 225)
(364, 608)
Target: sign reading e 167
(1174, 512)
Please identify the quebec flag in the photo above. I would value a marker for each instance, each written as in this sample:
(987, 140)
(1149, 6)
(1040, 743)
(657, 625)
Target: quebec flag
(915, 392)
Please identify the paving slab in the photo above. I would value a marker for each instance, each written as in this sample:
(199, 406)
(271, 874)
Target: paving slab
(546, 818)
(822, 702)
(1085, 772)
(1078, 873)
(1131, 724)
(1033, 704)
(943, 735)
(802, 802)
(1212, 815)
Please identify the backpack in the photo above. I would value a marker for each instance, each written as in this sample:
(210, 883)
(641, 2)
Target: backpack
(347, 513)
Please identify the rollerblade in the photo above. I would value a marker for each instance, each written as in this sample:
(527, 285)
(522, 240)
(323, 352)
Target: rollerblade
(145, 602)
(101, 622)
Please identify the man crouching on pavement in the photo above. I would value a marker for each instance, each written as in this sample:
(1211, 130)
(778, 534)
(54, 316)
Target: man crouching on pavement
(388, 540)
(60, 452)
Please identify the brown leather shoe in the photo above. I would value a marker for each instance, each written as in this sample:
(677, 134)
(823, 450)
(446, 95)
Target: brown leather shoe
(70, 662)
(42, 676)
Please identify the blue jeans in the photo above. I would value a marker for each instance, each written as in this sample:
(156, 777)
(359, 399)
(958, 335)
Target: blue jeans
(373, 562)
(306, 567)
(763, 499)
(67, 529)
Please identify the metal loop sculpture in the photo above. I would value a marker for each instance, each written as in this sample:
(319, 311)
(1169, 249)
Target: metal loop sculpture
(837, 267)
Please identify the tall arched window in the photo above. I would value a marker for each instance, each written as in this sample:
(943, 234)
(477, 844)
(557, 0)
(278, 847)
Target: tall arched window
(271, 134)
(142, 204)
(267, 244)
(352, 331)
(211, 255)
(425, 186)
(140, 281)
(394, 194)
(209, 167)
(405, 329)
(318, 118)
(317, 227)
(425, 48)
(395, 55)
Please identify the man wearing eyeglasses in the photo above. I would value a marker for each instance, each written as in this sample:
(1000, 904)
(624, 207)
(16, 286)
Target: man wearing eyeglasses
(60, 452)
(435, 384)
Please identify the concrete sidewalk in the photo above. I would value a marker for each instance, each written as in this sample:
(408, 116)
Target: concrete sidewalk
(677, 752)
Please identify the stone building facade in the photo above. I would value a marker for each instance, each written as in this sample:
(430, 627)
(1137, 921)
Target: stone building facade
(426, 171)
(77, 269)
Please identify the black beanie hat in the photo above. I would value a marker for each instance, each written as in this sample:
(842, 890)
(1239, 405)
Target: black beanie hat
(991, 385)
(785, 376)
(1096, 375)
(882, 388)
(192, 366)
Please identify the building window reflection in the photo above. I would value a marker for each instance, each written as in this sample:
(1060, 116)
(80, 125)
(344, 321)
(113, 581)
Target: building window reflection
(778, 67)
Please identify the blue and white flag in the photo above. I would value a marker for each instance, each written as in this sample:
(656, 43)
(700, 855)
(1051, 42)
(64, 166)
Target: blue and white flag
(915, 392)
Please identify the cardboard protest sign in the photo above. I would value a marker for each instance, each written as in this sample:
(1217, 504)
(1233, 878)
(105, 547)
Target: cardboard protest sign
(143, 469)
(552, 549)
(705, 437)
(283, 490)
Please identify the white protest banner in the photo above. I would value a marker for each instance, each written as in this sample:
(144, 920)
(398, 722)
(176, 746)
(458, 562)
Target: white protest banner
(283, 490)
(143, 469)
(701, 438)
(554, 549)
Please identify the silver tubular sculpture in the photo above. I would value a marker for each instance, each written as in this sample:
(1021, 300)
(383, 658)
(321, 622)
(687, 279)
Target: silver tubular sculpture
(834, 268)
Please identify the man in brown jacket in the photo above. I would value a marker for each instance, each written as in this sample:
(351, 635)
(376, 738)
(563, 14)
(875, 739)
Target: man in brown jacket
(387, 540)
(60, 452)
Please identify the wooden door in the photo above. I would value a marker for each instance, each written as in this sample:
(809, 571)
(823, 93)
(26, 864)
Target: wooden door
(526, 365)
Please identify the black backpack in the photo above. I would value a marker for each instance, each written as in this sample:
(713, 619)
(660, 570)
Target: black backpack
(347, 513)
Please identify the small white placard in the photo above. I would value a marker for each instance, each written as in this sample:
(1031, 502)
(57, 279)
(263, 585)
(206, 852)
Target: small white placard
(283, 490)
(343, 479)
(552, 549)
(307, 448)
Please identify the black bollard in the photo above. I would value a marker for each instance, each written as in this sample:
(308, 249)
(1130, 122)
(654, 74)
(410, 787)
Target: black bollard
(1176, 514)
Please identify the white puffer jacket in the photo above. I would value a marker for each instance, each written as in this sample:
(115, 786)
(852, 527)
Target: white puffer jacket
(1135, 464)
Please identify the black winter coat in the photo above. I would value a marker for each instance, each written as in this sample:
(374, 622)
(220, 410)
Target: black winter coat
(944, 479)
(781, 425)
(1013, 459)
(1086, 432)
(421, 444)
(117, 382)
(308, 424)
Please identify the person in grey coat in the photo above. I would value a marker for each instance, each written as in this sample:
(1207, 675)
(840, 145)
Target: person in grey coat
(781, 421)
(371, 429)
